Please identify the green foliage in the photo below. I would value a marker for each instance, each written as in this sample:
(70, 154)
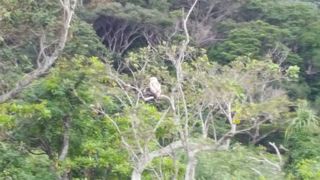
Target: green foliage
(68, 92)
(303, 138)
(293, 72)
(167, 167)
(266, 46)
(305, 120)
(84, 41)
(131, 12)
(162, 5)
(16, 163)
(309, 169)
(238, 163)
(21, 22)
(293, 14)
(304, 159)
(254, 38)
(299, 19)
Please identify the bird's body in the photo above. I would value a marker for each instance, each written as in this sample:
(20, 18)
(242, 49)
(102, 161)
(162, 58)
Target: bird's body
(155, 87)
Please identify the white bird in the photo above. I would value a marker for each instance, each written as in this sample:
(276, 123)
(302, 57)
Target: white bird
(155, 87)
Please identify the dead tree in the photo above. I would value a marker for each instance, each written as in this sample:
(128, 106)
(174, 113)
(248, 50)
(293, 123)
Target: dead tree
(206, 16)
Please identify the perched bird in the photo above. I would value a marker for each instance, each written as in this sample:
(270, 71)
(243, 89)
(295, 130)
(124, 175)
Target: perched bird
(155, 87)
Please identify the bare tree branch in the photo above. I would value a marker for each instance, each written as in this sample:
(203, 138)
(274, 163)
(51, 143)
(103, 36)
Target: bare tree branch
(278, 154)
(45, 62)
(66, 139)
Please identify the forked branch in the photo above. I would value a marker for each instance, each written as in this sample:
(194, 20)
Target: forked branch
(45, 61)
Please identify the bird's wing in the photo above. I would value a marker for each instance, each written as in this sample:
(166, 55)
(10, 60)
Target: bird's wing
(155, 87)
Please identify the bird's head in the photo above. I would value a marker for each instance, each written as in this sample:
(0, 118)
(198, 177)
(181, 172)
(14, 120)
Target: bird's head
(153, 79)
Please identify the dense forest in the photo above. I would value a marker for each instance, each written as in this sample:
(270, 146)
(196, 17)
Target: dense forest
(159, 89)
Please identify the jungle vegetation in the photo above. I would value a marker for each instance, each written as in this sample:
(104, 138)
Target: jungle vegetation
(234, 90)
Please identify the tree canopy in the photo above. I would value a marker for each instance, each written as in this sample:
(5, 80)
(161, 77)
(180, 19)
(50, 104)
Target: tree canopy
(238, 89)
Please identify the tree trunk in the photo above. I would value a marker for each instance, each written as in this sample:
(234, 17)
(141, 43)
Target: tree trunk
(136, 174)
(65, 146)
(191, 166)
(204, 130)
(66, 139)
(65, 176)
